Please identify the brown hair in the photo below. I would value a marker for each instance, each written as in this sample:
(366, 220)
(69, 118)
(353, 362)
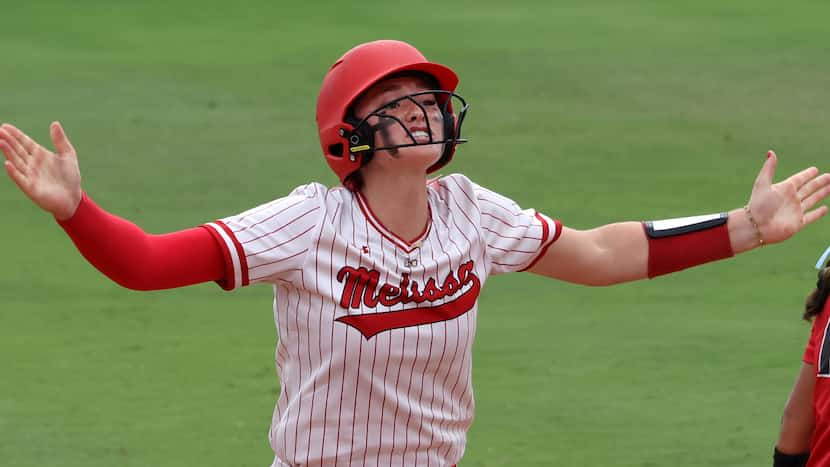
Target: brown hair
(354, 181)
(815, 301)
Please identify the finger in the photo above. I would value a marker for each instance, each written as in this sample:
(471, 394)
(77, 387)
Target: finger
(17, 177)
(767, 173)
(814, 215)
(14, 144)
(814, 198)
(813, 185)
(14, 151)
(62, 144)
(28, 143)
(799, 179)
(11, 156)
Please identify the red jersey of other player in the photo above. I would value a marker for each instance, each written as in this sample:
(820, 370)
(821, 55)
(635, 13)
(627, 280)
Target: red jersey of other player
(804, 439)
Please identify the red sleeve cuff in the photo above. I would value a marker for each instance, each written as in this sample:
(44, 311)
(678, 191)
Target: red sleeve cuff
(85, 208)
(549, 235)
(236, 264)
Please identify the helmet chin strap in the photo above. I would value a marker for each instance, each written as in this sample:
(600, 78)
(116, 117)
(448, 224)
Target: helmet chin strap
(383, 128)
(393, 148)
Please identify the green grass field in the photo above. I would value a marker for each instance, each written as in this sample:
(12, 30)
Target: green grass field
(183, 112)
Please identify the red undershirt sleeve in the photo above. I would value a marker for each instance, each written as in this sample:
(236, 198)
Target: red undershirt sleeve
(141, 261)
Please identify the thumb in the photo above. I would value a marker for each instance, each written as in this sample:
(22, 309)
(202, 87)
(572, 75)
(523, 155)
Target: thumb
(767, 173)
(62, 144)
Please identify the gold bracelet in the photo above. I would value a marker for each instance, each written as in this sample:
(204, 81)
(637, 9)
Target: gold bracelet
(754, 225)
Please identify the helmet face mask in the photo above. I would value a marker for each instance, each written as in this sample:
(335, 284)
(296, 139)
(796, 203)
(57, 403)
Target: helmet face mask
(363, 137)
(349, 142)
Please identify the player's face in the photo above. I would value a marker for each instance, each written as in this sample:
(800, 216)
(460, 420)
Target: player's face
(421, 115)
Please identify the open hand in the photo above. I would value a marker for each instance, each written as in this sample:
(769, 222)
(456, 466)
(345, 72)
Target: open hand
(784, 208)
(51, 179)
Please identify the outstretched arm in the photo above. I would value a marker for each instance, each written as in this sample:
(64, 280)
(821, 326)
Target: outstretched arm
(797, 423)
(118, 248)
(622, 252)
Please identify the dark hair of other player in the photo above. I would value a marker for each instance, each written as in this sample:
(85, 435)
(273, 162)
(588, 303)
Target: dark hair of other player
(815, 300)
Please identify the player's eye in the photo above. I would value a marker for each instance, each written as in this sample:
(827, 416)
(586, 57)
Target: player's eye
(428, 102)
(392, 105)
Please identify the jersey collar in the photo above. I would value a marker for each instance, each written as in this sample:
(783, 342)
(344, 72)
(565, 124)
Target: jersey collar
(406, 245)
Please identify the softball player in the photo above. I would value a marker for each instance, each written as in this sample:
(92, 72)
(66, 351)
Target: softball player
(377, 281)
(804, 439)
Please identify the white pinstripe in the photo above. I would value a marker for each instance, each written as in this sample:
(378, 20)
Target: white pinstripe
(402, 396)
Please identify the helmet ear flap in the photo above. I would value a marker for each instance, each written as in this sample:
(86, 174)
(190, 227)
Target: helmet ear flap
(360, 142)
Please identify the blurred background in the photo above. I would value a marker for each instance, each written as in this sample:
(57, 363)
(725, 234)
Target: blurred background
(590, 111)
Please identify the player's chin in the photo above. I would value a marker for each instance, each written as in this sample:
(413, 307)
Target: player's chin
(425, 155)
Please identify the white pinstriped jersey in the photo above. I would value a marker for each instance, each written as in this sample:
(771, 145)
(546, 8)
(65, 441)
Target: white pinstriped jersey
(376, 333)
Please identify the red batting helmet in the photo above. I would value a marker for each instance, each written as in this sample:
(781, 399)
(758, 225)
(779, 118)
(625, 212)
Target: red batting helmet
(346, 141)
